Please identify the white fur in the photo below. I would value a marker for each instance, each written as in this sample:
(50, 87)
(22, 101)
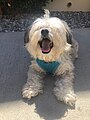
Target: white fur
(61, 51)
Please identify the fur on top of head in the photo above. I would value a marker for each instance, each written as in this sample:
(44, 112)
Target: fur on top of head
(48, 37)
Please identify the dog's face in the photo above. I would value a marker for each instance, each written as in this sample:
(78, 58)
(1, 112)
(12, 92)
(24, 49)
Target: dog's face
(47, 38)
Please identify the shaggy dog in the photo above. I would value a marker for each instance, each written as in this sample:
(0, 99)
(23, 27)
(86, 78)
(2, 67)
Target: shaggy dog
(51, 44)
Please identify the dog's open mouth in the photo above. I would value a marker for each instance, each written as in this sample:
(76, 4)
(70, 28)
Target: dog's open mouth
(46, 45)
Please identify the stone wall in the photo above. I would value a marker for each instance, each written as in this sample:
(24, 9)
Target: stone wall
(68, 5)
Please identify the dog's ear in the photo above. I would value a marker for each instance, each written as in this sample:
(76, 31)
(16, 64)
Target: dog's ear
(68, 33)
(26, 36)
(69, 37)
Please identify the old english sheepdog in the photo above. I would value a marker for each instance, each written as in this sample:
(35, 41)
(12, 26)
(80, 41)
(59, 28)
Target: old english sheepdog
(53, 48)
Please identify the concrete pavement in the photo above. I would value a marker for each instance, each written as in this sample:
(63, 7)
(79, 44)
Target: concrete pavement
(14, 62)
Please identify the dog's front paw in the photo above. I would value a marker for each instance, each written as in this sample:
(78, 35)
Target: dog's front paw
(70, 99)
(29, 92)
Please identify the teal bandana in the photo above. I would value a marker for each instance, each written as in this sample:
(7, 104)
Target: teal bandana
(49, 67)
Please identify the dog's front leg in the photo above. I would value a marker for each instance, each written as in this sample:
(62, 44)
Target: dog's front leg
(64, 88)
(34, 84)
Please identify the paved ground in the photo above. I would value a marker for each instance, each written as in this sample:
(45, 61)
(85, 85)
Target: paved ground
(14, 61)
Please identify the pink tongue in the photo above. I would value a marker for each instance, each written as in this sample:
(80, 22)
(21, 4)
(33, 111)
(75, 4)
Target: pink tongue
(45, 50)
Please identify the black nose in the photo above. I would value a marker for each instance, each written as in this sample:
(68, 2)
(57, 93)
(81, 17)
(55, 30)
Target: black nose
(44, 33)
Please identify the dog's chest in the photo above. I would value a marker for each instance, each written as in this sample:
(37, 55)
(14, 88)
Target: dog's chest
(48, 67)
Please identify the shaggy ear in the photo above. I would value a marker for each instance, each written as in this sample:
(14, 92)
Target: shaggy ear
(68, 33)
(69, 37)
(26, 35)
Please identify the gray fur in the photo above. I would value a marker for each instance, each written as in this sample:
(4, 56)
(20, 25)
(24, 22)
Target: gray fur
(65, 73)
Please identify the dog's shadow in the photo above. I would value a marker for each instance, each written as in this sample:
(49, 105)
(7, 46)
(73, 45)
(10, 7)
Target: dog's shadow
(46, 105)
